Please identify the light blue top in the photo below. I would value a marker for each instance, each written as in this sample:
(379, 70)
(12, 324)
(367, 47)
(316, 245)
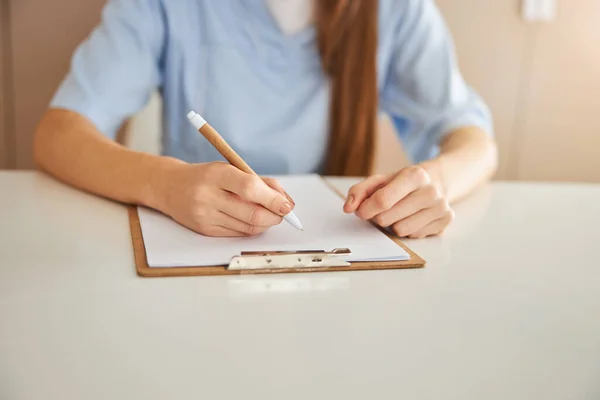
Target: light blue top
(263, 91)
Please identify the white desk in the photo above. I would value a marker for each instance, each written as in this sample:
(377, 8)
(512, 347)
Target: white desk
(508, 307)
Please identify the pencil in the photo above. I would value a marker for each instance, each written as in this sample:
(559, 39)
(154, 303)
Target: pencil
(232, 157)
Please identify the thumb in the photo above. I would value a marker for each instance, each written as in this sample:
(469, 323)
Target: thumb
(363, 190)
(275, 185)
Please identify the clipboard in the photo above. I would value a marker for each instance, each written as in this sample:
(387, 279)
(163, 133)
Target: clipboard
(269, 261)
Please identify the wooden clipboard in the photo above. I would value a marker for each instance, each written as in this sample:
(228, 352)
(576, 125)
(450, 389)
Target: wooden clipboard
(144, 270)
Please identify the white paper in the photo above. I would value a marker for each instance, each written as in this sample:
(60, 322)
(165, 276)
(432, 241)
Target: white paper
(319, 209)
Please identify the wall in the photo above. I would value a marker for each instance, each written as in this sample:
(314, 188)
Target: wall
(44, 34)
(559, 133)
(541, 81)
(490, 43)
(4, 124)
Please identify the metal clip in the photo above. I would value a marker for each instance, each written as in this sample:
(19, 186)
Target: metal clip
(249, 260)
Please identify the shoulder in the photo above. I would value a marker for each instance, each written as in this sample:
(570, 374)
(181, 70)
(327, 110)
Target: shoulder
(399, 13)
(395, 6)
(143, 11)
(132, 14)
(412, 22)
(134, 6)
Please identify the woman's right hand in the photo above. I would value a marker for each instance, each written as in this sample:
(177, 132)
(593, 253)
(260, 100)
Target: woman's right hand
(217, 199)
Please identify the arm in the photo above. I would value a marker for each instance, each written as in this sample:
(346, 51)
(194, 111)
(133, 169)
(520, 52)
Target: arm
(415, 202)
(448, 131)
(112, 76)
(113, 73)
(214, 199)
(68, 146)
(468, 158)
(450, 128)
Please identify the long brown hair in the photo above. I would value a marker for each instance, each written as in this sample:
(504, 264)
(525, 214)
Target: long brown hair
(347, 41)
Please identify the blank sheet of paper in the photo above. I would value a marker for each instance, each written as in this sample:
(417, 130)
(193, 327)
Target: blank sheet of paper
(319, 208)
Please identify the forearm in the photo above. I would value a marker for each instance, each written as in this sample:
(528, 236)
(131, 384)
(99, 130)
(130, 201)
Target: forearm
(69, 147)
(468, 158)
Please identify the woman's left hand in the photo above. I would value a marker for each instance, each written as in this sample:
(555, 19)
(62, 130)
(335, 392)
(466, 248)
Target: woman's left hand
(409, 202)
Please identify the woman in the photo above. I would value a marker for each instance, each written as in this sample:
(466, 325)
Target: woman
(295, 86)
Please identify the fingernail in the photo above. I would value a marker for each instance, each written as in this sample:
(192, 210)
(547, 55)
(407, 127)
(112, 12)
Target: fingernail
(350, 200)
(287, 196)
(285, 208)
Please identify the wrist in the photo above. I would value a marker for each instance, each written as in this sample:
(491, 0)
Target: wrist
(162, 174)
(435, 169)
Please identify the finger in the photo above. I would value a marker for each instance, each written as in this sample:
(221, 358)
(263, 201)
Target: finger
(274, 184)
(359, 192)
(403, 183)
(253, 189)
(200, 223)
(415, 222)
(251, 213)
(220, 231)
(434, 228)
(228, 222)
(420, 199)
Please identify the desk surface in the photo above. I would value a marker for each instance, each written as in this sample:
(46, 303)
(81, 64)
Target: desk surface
(508, 307)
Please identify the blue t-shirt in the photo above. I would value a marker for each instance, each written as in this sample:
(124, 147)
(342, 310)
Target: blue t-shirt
(263, 90)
